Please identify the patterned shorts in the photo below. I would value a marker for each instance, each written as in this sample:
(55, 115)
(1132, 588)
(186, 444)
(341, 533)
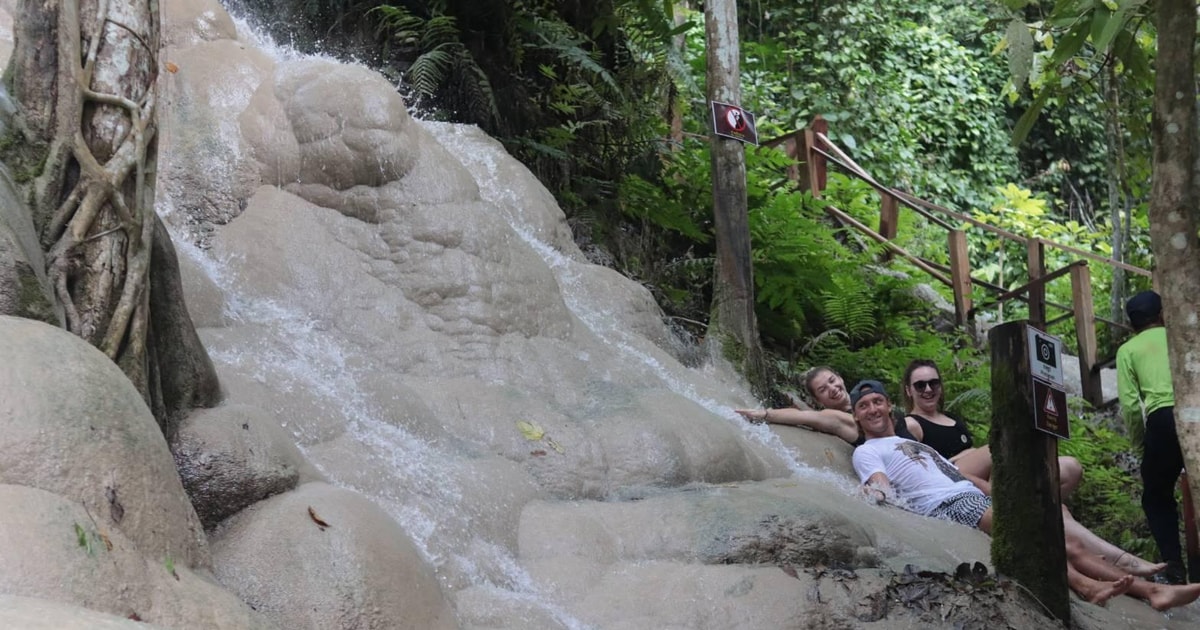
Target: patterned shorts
(965, 509)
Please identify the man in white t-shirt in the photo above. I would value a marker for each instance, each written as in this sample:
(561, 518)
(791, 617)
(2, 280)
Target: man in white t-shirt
(928, 482)
(892, 467)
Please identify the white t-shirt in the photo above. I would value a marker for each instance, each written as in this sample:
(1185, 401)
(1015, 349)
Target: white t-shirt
(919, 475)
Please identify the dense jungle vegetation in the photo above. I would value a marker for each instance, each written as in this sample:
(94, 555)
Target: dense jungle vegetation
(1032, 116)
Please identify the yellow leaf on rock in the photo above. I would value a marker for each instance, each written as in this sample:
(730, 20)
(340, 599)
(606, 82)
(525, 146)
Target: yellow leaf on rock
(532, 432)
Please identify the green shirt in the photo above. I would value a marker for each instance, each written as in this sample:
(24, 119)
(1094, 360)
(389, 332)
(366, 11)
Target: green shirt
(1144, 373)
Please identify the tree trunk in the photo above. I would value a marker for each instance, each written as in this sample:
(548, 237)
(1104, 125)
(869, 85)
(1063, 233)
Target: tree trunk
(84, 74)
(1173, 215)
(733, 319)
(1116, 184)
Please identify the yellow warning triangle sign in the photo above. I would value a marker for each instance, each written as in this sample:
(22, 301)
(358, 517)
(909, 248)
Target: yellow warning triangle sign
(1049, 406)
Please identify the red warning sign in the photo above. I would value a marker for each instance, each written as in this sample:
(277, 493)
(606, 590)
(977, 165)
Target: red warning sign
(1050, 409)
(731, 121)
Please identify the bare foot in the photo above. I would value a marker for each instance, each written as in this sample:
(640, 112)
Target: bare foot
(1136, 566)
(1164, 596)
(1141, 568)
(1109, 590)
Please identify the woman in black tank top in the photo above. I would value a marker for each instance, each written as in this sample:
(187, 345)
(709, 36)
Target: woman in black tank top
(929, 424)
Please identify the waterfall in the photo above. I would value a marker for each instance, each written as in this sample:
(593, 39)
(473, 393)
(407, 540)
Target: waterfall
(417, 476)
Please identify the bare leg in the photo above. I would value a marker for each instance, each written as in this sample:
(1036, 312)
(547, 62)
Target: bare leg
(1160, 596)
(1095, 591)
(976, 462)
(1070, 473)
(1092, 544)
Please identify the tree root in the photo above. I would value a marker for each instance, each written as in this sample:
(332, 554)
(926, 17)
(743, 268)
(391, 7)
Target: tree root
(118, 233)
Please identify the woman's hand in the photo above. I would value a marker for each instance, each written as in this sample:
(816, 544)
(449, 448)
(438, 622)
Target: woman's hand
(756, 416)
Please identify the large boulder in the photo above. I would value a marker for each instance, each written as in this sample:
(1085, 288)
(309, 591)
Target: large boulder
(321, 557)
(233, 456)
(55, 549)
(71, 423)
(29, 613)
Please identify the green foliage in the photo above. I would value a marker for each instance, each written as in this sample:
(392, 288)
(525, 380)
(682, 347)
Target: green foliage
(84, 541)
(439, 58)
(1108, 500)
(900, 92)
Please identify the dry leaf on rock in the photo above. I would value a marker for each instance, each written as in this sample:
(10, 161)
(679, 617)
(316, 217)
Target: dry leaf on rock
(317, 519)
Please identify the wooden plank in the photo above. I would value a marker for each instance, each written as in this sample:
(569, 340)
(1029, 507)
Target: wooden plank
(815, 172)
(1085, 332)
(819, 127)
(960, 275)
(1036, 263)
(889, 219)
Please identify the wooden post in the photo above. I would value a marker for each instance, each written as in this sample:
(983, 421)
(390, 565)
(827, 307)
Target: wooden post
(960, 275)
(795, 149)
(1085, 332)
(889, 220)
(820, 164)
(1027, 527)
(813, 173)
(1036, 249)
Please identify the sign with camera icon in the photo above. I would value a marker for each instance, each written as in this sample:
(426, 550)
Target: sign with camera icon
(1045, 357)
(1049, 390)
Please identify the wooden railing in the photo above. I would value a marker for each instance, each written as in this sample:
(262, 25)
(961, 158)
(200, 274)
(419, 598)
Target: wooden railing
(813, 152)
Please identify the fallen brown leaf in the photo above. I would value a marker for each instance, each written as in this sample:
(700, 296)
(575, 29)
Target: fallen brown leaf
(317, 519)
(107, 542)
(538, 453)
(172, 68)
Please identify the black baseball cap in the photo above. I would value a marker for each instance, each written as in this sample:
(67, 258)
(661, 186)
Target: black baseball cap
(866, 387)
(1143, 309)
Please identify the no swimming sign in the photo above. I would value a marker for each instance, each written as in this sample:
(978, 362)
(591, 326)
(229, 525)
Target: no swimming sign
(731, 121)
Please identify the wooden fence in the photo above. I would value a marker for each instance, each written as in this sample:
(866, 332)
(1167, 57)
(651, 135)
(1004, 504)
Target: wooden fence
(814, 152)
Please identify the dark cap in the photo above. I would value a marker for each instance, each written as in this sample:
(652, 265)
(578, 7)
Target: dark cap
(1143, 309)
(866, 387)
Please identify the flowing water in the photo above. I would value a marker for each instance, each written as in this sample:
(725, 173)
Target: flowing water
(419, 478)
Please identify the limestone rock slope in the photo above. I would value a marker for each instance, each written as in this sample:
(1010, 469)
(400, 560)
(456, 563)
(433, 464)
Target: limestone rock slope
(436, 413)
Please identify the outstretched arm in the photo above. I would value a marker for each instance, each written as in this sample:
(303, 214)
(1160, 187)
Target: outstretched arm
(829, 421)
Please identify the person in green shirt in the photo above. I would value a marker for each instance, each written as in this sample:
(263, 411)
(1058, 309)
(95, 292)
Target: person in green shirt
(1144, 382)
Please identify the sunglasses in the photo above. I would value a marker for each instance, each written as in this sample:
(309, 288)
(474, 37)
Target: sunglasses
(932, 383)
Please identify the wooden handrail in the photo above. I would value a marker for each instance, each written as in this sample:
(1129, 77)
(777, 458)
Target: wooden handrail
(884, 190)
(1035, 282)
(842, 216)
(857, 170)
(812, 146)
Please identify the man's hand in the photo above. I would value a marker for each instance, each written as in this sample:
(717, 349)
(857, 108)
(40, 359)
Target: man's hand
(877, 495)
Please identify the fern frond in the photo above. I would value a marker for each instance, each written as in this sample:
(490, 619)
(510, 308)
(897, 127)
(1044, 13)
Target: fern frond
(969, 396)
(852, 311)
